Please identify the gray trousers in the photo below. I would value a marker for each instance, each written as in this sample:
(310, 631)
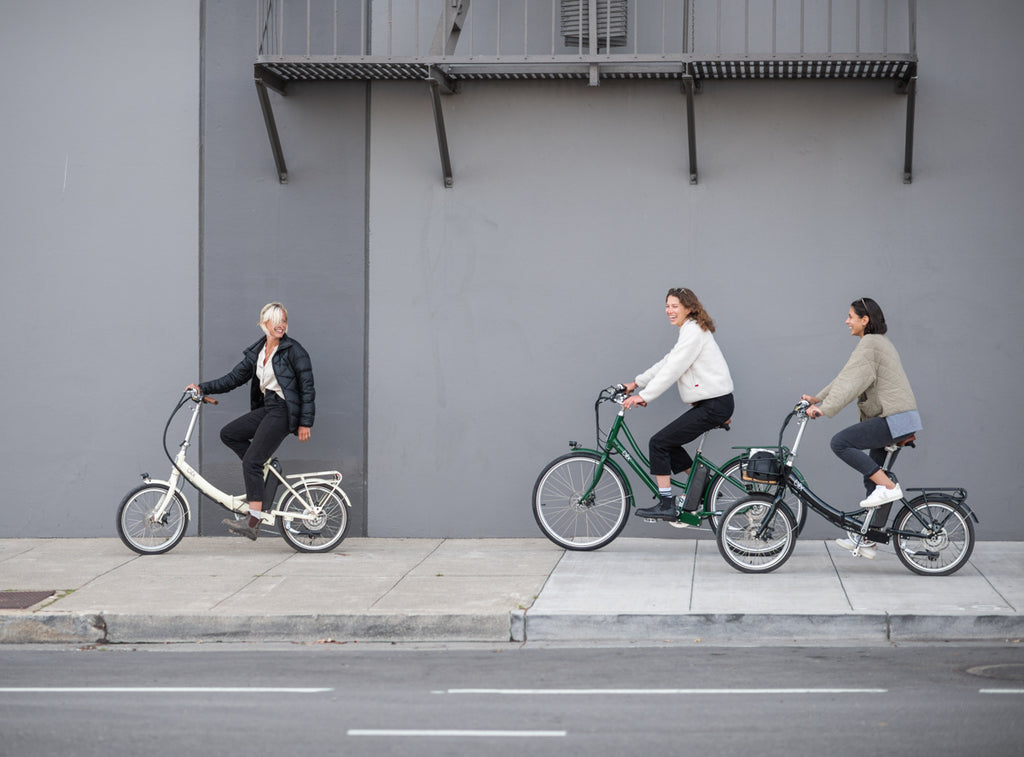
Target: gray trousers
(872, 435)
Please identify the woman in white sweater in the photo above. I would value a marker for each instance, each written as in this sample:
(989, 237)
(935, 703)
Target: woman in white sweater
(697, 368)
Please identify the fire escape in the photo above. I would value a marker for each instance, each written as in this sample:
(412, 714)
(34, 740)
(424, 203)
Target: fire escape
(692, 41)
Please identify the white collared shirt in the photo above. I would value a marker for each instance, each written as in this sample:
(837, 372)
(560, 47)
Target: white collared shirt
(265, 373)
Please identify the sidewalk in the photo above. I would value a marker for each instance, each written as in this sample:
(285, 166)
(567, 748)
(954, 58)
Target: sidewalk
(496, 590)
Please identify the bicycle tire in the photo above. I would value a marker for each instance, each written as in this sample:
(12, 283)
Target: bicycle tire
(722, 493)
(737, 536)
(325, 532)
(135, 524)
(933, 554)
(574, 524)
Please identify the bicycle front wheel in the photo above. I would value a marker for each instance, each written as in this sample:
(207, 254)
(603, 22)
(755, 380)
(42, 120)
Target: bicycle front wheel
(752, 539)
(572, 520)
(321, 533)
(724, 492)
(934, 536)
(141, 530)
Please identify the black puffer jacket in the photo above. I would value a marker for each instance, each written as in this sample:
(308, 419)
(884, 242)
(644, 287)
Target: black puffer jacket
(294, 373)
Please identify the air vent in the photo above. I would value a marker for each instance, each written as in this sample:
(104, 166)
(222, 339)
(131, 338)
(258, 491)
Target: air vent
(611, 23)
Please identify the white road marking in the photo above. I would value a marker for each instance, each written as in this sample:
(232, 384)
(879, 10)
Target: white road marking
(1001, 691)
(453, 732)
(633, 692)
(157, 690)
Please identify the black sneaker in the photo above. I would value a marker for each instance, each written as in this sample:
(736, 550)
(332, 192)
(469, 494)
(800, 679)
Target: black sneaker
(665, 510)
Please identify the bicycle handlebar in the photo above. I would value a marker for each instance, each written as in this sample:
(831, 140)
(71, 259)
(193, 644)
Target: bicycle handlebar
(197, 396)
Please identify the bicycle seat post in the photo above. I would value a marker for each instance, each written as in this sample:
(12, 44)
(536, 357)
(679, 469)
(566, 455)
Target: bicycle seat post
(700, 444)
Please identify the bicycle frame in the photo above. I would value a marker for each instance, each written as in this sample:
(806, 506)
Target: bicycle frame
(236, 503)
(848, 520)
(640, 464)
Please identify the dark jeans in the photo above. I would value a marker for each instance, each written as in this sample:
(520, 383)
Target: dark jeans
(254, 437)
(666, 447)
(872, 435)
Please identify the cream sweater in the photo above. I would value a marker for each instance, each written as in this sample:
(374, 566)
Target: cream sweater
(695, 364)
(874, 376)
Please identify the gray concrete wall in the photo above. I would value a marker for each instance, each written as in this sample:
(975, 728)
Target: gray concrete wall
(99, 218)
(303, 243)
(500, 307)
(493, 311)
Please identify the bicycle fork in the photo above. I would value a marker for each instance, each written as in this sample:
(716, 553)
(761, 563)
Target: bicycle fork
(160, 511)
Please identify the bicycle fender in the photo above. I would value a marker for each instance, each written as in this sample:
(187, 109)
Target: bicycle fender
(950, 499)
(334, 484)
(167, 483)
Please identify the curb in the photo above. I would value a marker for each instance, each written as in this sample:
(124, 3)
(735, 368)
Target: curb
(770, 628)
(121, 628)
(517, 626)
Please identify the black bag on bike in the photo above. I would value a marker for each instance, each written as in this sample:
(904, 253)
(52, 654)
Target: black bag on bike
(762, 467)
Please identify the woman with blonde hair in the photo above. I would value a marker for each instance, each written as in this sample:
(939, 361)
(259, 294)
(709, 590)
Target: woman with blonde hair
(282, 402)
(698, 369)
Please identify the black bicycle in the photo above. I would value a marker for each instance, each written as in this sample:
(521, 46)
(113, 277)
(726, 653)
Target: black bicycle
(933, 533)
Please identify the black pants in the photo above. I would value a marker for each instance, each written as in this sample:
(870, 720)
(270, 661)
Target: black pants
(254, 437)
(666, 447)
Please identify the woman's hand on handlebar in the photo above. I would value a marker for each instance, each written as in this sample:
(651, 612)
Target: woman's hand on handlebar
(636, 400)
(197, 394)
(813, 411)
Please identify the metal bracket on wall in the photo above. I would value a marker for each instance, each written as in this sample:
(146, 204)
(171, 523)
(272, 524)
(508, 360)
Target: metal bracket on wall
(442, 135)
(688, 88)
(910, 90)
(264, 80)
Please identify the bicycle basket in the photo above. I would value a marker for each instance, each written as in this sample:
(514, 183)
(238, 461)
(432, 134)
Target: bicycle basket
(762, 467)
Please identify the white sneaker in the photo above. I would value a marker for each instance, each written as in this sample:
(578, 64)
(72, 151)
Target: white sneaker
(881, 496)
(858, 546)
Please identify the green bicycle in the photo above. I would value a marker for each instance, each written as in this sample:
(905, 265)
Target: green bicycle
(581, 500)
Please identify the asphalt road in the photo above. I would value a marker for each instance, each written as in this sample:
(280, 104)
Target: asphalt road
(360, 699)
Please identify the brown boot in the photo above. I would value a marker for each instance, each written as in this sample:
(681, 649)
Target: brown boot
(247, 527)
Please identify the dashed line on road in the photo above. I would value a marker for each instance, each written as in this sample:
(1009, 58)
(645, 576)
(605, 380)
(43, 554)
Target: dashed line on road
(453, 733)
(637, 692)
(158, 690)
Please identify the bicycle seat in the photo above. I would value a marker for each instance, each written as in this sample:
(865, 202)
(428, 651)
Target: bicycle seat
(727, 424)
(907, 441)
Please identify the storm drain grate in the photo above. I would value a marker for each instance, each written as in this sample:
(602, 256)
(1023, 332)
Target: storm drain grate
(22, 600)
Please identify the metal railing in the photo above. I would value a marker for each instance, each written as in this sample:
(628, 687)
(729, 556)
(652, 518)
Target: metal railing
(541, 30)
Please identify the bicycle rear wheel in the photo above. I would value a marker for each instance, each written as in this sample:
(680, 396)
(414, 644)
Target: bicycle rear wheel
(723, 493)
(322, 533)
(566, 517)
(750, 546)
(934, 536)
(140, 531)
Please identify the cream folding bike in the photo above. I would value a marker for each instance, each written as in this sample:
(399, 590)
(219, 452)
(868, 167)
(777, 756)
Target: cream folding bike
(311, 512)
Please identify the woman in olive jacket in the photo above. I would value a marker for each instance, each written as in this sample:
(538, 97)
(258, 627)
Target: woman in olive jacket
(282, 402)
(873, 376)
